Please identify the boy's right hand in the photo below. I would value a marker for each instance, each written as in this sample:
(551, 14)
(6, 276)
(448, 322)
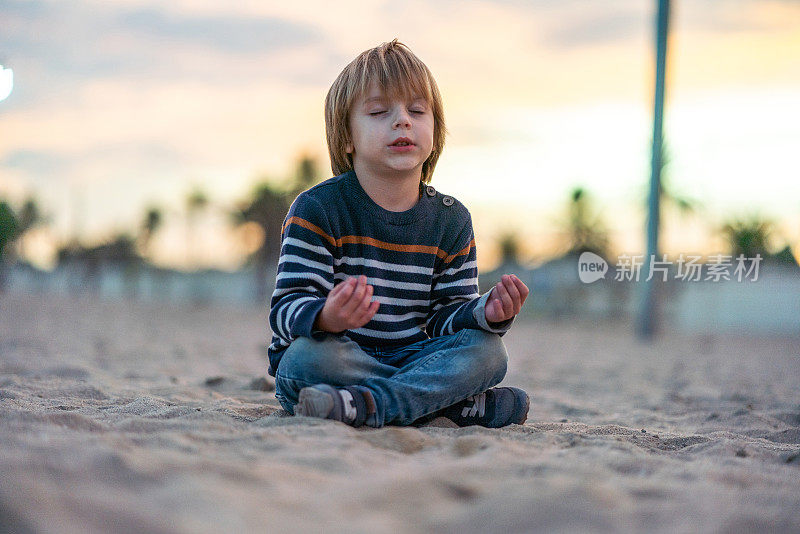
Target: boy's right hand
(348, 306)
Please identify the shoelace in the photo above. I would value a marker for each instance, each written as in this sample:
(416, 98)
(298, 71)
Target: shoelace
(478, 406)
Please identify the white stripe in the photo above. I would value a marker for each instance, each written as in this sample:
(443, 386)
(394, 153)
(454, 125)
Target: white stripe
(290, 313)
(278, 343)
(387, 335)
(466, 282)
(285, 314)
(389, 318)
(453, 270)
(308, 246)
(383, 265)
(304, 276)
(389, 283)
(401, 302)
(291, 258)
(454, 299)
(447, 327)
(307, 289)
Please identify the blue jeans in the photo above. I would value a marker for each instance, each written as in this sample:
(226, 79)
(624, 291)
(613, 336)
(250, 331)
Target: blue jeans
(407, 382)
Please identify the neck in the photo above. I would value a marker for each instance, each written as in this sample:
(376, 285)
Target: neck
(393, 193)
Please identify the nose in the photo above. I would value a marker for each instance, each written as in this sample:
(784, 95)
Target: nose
(402, 119)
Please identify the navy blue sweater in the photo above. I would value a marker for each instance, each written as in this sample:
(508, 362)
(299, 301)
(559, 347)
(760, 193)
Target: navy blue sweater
(420, 262)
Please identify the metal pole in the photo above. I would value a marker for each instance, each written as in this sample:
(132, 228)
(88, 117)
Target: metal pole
(646, 326)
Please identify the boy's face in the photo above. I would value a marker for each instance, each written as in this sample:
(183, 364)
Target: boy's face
(375, 125)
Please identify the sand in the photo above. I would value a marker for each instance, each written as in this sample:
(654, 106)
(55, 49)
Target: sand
(131, 417)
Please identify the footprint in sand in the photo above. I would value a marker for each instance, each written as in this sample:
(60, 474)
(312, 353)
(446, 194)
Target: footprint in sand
(405, 440)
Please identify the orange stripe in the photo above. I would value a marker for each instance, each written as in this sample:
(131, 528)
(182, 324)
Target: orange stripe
(461, 252)
(364, 240)
(310, 226)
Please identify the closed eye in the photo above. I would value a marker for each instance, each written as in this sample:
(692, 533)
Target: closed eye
(377, 112)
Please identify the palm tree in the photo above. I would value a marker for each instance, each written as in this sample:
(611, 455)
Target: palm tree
(9, 229)
(749, 236)
(306, 174)
(29, 218)
(587, 231)
(153, 221)
(648, 312)
(196, 203)
(509, 248)
(267, 207)
(669, 196)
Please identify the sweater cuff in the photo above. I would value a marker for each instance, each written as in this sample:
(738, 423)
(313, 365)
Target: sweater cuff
(304, 320)
(479, 314)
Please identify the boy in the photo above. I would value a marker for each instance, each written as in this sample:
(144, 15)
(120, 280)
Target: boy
(376, 316)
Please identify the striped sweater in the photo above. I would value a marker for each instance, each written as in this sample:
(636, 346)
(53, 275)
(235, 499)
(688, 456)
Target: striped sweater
(420, 262)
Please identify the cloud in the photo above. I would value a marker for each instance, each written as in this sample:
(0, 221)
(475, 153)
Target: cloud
(572, 24)
(35, 162)
(76, 39)
(241, 35)
(596, 29)
(45, 166)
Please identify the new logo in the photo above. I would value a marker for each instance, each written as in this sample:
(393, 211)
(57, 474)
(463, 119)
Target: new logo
(591, 267)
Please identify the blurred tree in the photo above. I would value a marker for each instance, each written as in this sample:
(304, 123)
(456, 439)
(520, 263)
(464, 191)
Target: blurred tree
(9, 230)
(267, 207)
(509, 248)
(786, 256)
(749, 236)
(119, 251)
(587, 232)
(30, 217)
(196, 202)
(670, 197)
(9, 227)
(152, 223)
(305, 176)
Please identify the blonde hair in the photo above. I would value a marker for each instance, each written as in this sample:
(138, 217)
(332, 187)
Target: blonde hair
(399, 73)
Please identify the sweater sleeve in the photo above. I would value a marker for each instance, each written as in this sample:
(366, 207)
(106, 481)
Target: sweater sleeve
(305, 271)
(455, 302)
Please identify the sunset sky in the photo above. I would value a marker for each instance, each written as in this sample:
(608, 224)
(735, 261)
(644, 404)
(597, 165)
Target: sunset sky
(121, 104)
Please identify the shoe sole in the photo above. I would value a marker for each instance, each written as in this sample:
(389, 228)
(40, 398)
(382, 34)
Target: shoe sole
(314, 403)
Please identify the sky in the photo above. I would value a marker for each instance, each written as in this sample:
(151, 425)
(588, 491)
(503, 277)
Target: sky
(118, 105)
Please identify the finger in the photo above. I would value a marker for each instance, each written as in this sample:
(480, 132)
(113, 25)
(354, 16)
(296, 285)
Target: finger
(505, 299)
(367, 298)
(363, 303)
(496, 302)
(368, 314)
(521, 287)
(494, 311)
(352, 304)
(337, 288)
(345, 289)
(508, 283)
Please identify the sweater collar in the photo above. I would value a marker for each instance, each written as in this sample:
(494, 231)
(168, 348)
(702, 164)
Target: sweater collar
(364, 201)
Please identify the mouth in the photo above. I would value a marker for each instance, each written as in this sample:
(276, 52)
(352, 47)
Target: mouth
(402, 141)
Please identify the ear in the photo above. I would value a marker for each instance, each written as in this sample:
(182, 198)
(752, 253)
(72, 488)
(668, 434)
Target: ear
(348, 148)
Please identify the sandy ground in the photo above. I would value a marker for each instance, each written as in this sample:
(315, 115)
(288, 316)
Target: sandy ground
(122, 417)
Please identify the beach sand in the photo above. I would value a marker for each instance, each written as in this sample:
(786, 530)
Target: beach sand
(130, 417)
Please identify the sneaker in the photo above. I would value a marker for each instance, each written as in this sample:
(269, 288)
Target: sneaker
(494, 408)
(351, 405)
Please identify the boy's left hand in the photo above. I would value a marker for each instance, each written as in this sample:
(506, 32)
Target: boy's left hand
(506, 299)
